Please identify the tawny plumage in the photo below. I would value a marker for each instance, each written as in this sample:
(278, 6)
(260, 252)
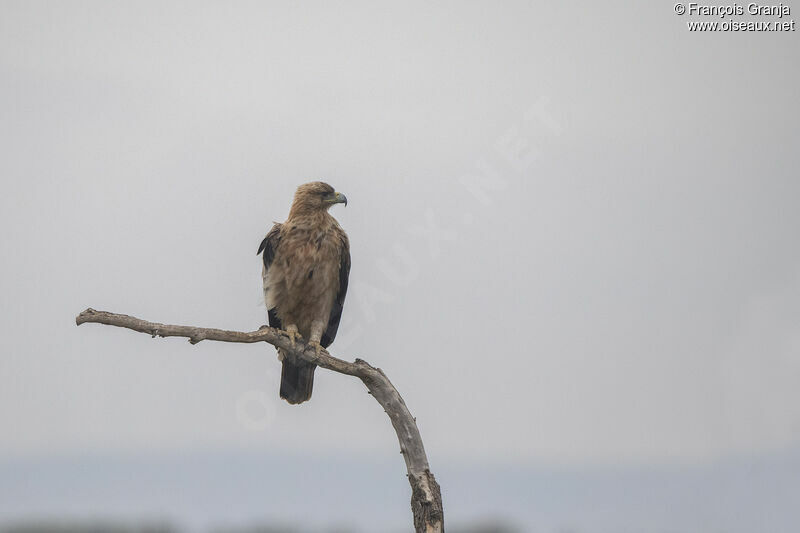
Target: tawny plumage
(306, 268)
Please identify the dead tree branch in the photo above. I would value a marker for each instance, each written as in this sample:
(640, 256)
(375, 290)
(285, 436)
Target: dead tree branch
(426, 498)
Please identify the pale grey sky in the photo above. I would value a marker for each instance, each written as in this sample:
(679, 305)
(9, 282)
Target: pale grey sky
(622, 288)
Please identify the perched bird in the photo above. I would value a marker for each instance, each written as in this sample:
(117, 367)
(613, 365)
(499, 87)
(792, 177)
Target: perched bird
(306, 268)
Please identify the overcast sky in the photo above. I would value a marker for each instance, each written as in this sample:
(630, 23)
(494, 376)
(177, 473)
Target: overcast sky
(574, 227)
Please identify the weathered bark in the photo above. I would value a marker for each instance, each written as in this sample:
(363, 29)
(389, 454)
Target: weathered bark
(426, 498)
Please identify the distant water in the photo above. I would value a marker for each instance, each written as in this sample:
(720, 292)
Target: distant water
(227, 492)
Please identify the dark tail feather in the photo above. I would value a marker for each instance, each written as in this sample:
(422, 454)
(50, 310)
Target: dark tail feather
(297, 381)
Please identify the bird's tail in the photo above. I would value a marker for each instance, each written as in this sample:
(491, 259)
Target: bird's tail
(297, 381)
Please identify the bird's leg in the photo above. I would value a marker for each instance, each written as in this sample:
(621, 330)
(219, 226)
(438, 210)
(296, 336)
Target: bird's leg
(317, 326)
(293, 334)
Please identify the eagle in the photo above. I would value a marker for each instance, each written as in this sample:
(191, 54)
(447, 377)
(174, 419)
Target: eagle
(305, 275)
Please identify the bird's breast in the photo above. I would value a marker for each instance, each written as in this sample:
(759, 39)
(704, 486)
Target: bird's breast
(305, 269)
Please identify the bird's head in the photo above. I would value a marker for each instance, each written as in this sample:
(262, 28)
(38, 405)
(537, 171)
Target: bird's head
(316, 196)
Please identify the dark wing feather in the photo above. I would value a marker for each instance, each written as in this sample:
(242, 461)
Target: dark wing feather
(270, 244)
(268, 247)
(336, 312)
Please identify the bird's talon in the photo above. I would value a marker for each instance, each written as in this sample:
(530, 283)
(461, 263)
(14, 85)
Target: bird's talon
(317, 347)
(293, 335)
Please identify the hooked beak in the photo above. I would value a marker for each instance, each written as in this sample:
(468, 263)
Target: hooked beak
(337, 198)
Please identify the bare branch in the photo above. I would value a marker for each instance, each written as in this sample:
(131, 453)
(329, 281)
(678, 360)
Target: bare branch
(426, 498)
